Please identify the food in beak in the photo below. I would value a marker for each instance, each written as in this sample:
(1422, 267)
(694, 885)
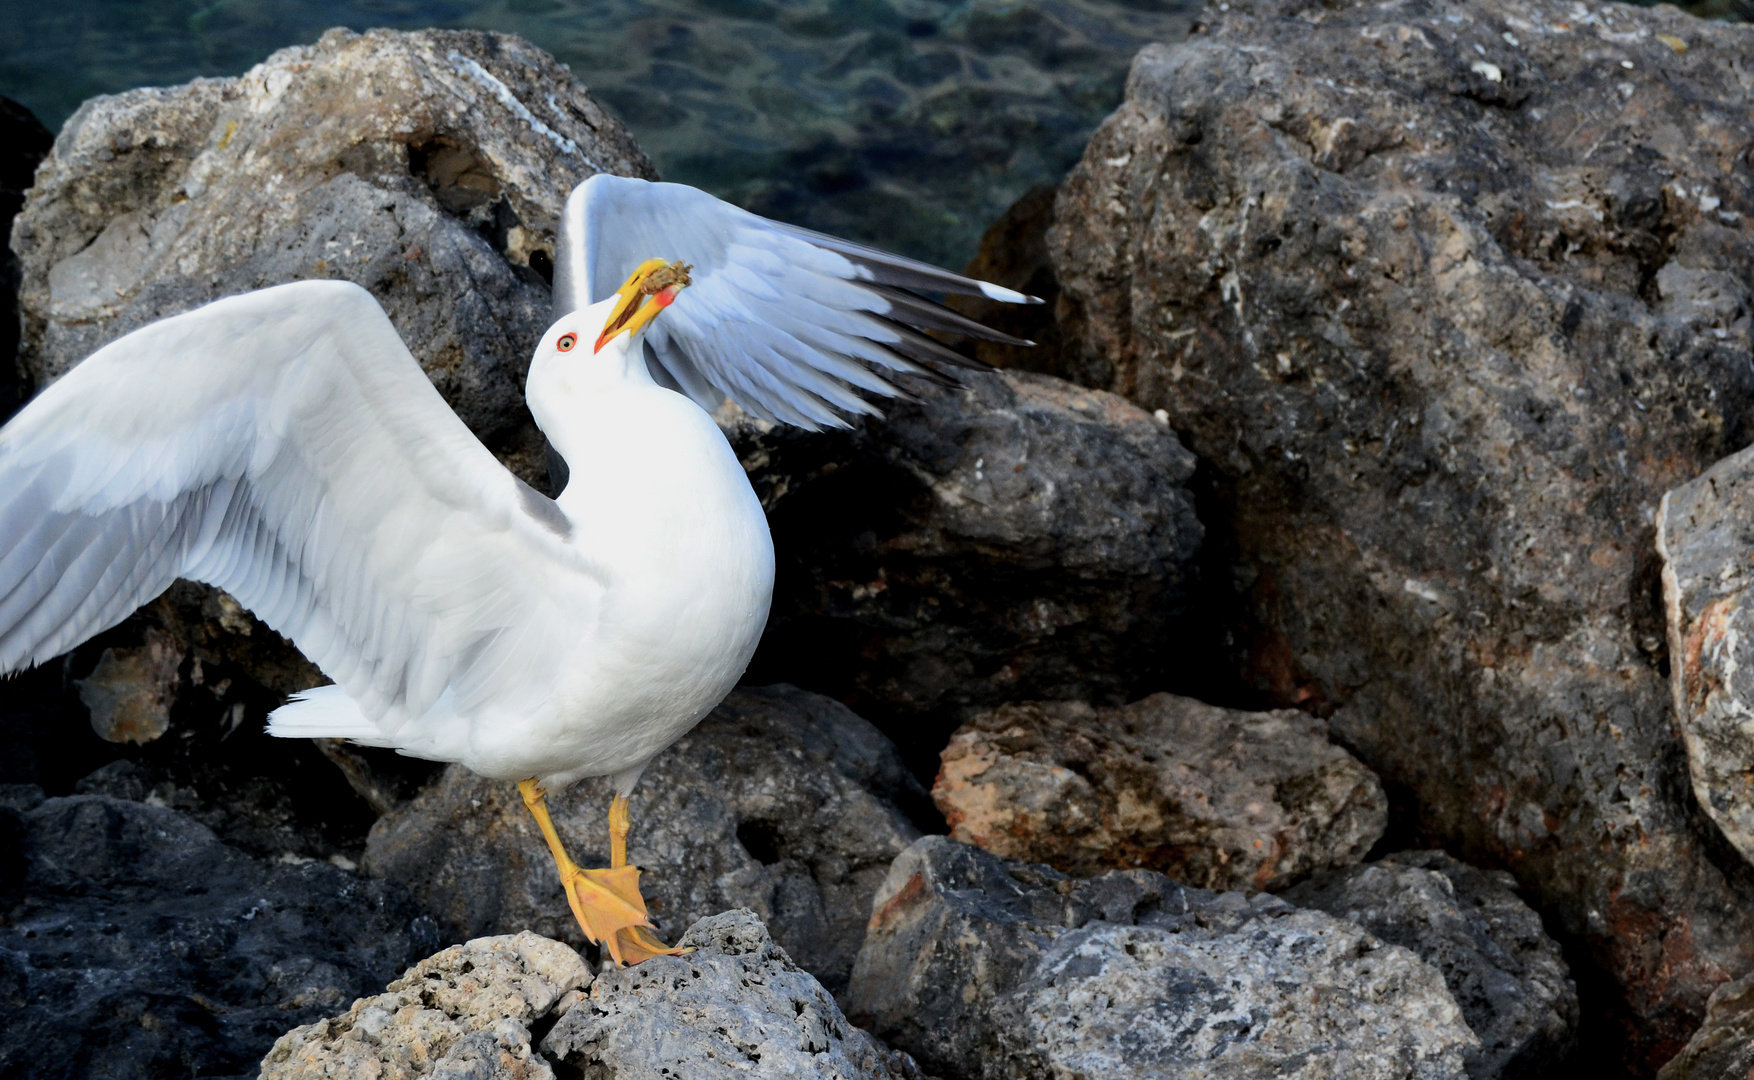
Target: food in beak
(651, 289)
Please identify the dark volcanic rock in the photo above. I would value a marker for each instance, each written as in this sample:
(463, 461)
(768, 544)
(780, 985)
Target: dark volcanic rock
(780, 801)
(1499, 964)
(1021, 538)
(983, 967)
(1218, 798)
(1448, 295)
(1014, 253)
(136, 944)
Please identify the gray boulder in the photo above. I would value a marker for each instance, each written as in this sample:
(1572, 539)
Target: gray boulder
(1446, 296)
(137, 944)
(1507, 975)
(1705, 532)
(736, 1006)
(1218, 798)
(1019, 538)
(780, 801)
(982, 967)
(429, 167)
(1723, 1047)
(463, 1012)
(526, 1007)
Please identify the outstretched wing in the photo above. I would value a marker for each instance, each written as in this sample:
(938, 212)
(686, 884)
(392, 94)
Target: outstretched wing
(284, 446)
(788, 323)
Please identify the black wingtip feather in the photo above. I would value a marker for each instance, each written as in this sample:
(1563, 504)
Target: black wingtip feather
(914, 310)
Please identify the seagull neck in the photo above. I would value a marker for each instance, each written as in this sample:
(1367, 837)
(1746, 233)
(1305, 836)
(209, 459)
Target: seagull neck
(568, 396)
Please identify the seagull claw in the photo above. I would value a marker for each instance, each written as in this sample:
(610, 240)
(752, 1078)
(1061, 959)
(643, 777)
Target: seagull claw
(612, 913)
(606, 902)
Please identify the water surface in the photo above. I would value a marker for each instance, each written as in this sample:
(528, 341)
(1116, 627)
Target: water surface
(909, 123)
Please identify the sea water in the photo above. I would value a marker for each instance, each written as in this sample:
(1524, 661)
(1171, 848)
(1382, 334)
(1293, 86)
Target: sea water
(911, 124)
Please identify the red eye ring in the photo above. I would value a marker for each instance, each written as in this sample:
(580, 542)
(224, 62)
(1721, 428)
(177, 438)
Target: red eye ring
(566, 342)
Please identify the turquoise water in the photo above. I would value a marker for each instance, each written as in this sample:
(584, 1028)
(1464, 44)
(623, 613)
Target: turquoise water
(915, 120)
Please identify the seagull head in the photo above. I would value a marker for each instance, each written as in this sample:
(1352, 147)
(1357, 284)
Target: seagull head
(563, 366)
(650, 289)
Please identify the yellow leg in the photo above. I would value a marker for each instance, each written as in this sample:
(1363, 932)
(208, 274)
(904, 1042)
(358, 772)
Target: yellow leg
(607, 903)
(619, 823)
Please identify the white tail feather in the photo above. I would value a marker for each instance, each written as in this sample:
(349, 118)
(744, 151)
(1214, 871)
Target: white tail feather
(325, 712)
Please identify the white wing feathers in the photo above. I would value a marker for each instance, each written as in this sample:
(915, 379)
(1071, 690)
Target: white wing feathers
(284, 446)
(789, 323)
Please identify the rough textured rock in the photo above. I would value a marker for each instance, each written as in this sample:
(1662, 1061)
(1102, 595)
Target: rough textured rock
(982, 967)
(1723, 1047)
(780, 801)
(429, 167)
(736, 1006)
(1447, 295)
(1021, 538)
(463, 1012)
(130, 692)
(23, 144)
(135, 943)
(1212, 797)
(1705, 532)
(1501, 967)
(524, 1007)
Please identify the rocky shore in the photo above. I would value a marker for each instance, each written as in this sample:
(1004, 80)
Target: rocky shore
(1318, 657)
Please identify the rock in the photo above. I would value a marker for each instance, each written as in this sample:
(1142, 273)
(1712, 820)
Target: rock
(1014, 253)
(478, 1010)
(136, 944)
(1212, 797)
(23, 144)
(269, 797)
(1507, 975)
(1022, 538)
(1704, 537)
(1446, 296)
(463, 1012)
(982, 967)
(736, 1004)
(1723, 1047)
(429, 167)
(131, 690)
(780, 801)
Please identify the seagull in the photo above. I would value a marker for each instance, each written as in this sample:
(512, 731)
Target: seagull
(283, 445)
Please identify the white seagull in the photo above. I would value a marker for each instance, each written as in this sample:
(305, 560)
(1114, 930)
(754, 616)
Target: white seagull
(285, 446)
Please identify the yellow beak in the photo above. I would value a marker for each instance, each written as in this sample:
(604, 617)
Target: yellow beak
(651, 289)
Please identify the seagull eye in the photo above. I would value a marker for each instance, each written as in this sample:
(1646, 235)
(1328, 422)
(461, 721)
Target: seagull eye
(566, 342)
